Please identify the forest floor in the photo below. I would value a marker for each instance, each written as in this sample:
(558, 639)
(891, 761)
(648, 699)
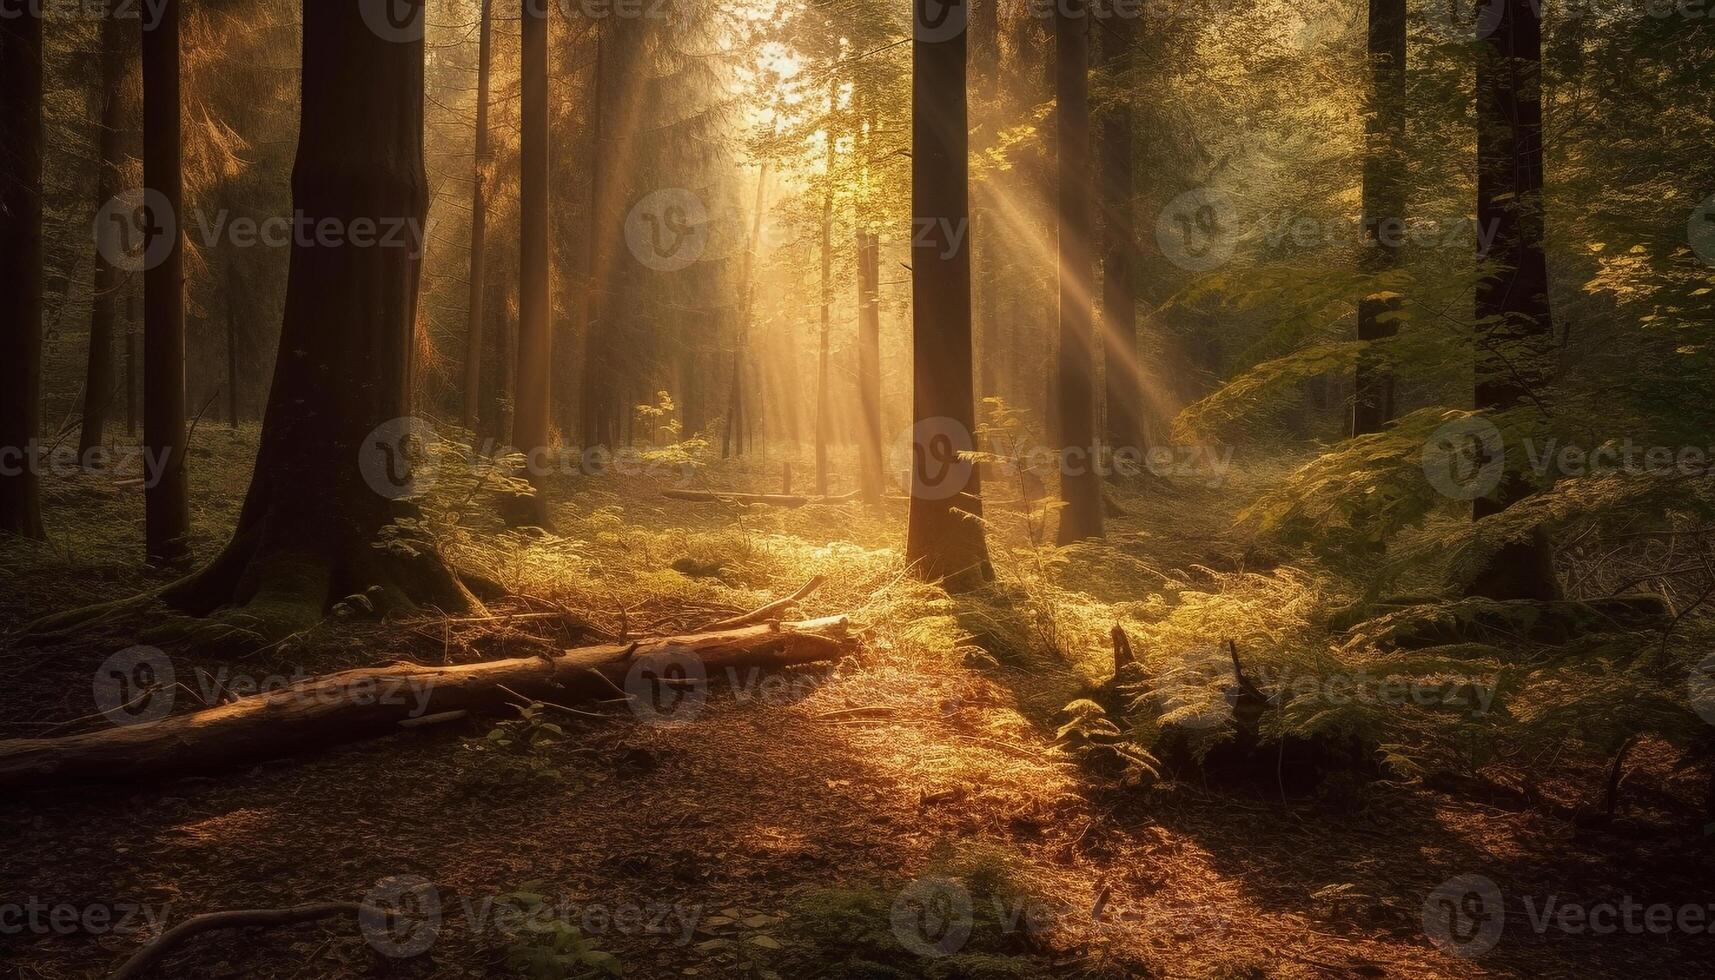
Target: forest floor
(781, 832)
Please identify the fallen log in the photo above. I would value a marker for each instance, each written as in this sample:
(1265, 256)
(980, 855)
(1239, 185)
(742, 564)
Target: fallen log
(764, 499)
(352, 705)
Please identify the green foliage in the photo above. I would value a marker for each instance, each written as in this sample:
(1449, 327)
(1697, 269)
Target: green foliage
(552, 949)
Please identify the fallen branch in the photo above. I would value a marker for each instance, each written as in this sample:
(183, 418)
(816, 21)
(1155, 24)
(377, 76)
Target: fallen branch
(765, 499)
(773, 610)
(146, 958)
(338, 708)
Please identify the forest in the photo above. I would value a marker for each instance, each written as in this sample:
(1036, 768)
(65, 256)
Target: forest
(866, 489)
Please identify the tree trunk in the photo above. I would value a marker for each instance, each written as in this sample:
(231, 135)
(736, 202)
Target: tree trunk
(337, 708)
(530, 422)
(735, 436)
(1080, 482)
(824, 340)
(870, 466)
(328, 476)
(166, 501)
(234, 289)
(1123, 360)
(478, 225)
(1384, 210)
(1514, 328)
(945, 539)
(100, 384)
(21, 257)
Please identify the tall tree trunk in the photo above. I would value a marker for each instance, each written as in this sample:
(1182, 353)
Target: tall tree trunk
(985, 68)
(100, 388)
(1080, 481)
(870, 466)
(234, 289)
(535, 340)
(478, 224)
(21, 257)
(1384, 210)
(1123, 357)
(329, 475)
(824, 339)
(166, 501)
(1514, 328)
(735, 436)
(593, 384)
(130, 358)
(945, 539)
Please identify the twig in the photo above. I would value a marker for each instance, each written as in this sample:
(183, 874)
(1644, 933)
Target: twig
(771, 611)
(146, 958)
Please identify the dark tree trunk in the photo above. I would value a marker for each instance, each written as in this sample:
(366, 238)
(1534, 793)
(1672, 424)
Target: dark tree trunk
(234, 289)
(100, 382)
(166, 501)
(130, 358)
(1384, 210)
(735, 438)
(1124, 381)
(478, 225)
(945, 539)
(824, 338)
(21, 257)
(530, 424)
(870, 466)
(1080, 482)
(1514, 328)
(328, 477)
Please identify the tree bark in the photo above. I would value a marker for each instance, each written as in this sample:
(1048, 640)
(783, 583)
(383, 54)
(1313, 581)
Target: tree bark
(100, 382)
(327, 480)
(357, 704)
(735, 435)
(234, 289)
(870, 464)
(945, 539)
(1080, 482)
(1514, 326)
(530, 422)
(1384, 195)
(478, 224)
(824, 339)
(166, 499)
(1123, 360)
(21, 257)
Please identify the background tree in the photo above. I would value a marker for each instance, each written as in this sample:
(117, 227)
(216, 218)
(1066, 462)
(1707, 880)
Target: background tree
(166, 497)
(1080, 481)
(100, 382)
(1385, 184)
(535, 341)
(21, 257)
(478, 223)
(1122, 375)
